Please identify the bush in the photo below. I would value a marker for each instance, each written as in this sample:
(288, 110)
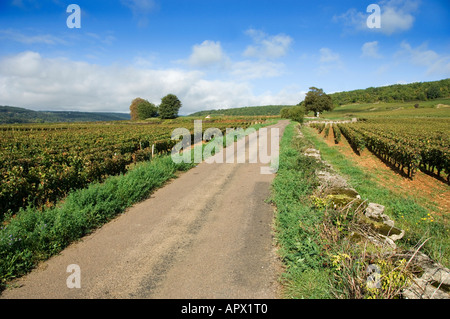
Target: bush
(295, 113)
(285, 113)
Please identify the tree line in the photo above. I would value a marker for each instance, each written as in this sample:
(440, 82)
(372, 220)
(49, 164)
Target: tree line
(243, 111)
(418, 91)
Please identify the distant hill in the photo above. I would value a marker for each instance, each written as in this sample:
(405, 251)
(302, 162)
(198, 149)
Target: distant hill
(245, 111)
(418, 91)
(13, 115)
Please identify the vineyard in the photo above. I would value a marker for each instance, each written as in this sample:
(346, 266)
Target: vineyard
(406, 144)
(40, 164)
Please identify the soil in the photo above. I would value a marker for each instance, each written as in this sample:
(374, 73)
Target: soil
(206, 234)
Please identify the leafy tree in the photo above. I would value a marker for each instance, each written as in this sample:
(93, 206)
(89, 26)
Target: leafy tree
(295, 113)
(147, 110)
(317, 101)
(422, 96)
(134, 108)
(168, 109)
(141, 109)
(434, 92)
(285, 112)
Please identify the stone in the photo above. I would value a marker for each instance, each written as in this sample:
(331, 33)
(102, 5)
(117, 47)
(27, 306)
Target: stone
(329, 180)
(313, 153)
(382, 223)
(434, 282)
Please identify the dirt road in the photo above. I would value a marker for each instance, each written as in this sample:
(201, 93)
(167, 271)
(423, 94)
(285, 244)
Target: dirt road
(206, 234)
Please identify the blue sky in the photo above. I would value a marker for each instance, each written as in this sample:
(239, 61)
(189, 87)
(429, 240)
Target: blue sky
(212, 54)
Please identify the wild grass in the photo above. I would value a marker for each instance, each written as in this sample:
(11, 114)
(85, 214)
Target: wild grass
(296, 223)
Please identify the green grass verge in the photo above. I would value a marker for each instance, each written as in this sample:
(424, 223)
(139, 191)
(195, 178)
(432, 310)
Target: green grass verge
(296, 222)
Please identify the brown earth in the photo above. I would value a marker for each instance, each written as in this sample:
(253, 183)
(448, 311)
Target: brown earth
(422, 185)
(206, 234)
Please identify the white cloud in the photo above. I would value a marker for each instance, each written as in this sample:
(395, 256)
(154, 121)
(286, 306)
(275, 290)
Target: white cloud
(246, 70)
(145, 61)
(107, 39)
(396, 16)
(328, 61)
(30, 80)
(326, 56)
(423, 57)
(140, 9)
(207, 54)
(266, 46)
(17, 36)
(370, 49)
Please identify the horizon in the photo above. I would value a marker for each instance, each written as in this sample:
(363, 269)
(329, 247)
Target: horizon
(212, 54)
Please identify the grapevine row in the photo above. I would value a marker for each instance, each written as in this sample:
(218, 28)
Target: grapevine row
(410, 147)
(407, 144)
(41, 164)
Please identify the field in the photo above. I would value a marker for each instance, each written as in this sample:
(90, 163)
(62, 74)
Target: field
(409, 136)
(403, 154)
(42, 163)
(406, 144)
(438, 108)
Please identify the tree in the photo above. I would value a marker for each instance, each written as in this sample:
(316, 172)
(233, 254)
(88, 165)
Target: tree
(285, 112)
(147, 110)
(295, 113)
(134, 113)
(169, 107)
(141, 109)
(433, 92)
(317, 101)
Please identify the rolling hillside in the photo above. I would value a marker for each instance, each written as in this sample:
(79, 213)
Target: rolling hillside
(244, 111)
(12, 115)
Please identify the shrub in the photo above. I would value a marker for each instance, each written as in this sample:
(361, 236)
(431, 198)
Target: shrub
(295, 113)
